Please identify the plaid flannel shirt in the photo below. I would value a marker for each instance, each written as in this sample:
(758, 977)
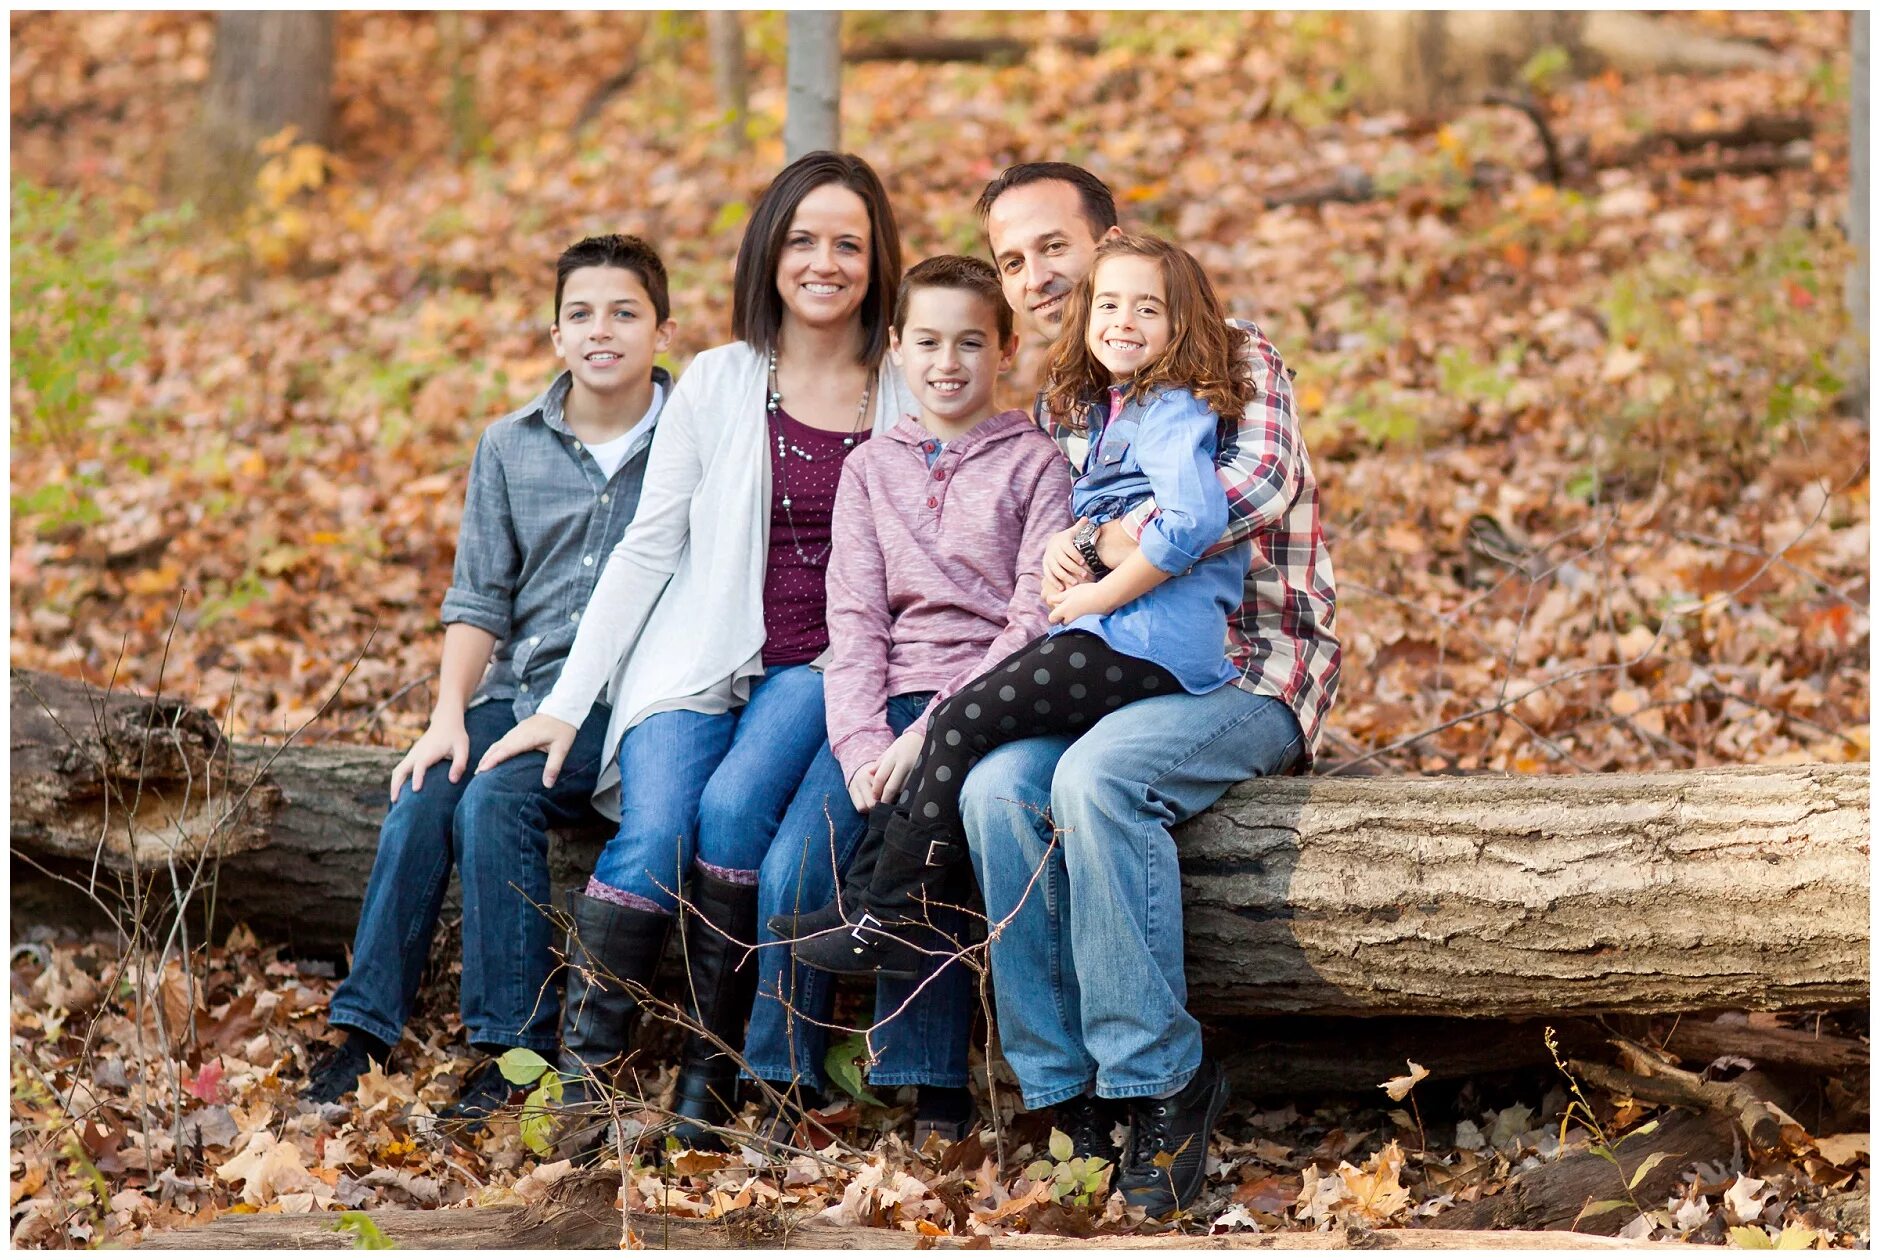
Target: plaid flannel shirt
(1281, 638)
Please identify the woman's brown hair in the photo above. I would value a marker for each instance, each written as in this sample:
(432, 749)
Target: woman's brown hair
(757, 307)
(1203, 354)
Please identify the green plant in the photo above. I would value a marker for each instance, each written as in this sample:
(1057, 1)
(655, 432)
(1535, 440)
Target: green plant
(367, 1236)
(522, 1066)
(842, 1063)
(76, 316)
(1082, 1182)
(1602, 1145)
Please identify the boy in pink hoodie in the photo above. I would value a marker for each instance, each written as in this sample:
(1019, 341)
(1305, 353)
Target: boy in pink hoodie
(939, 535)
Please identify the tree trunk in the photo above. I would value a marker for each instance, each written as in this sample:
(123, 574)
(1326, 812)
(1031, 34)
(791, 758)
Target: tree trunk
(1855, 355)
(813, 117)
(1429, 61)
(271, 69)
(729, 77)
(1491, 897)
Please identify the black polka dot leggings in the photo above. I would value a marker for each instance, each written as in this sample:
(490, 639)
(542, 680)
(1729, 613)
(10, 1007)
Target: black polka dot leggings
(1059, 685)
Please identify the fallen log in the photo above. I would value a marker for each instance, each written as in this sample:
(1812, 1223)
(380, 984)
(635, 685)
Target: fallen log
(583, 1216)
(1490, 897)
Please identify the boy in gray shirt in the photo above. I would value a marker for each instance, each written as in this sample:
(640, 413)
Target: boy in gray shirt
(552, 488)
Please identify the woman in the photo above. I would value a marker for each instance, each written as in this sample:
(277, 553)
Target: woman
(704, 629)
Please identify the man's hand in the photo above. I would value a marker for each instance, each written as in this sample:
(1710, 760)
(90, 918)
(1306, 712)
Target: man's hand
(551, 735)
(444, 737)
(862, 787)
(895, 765)
(1063, 563)
(1080, 601)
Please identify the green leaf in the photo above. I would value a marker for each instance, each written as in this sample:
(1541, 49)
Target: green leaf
(1750, 1238)
(1545, 68)
(1038, 1170)
(521, 1065)
(1645, 1165)
(538, 1127)
(366, 1235)
(843, 1064)
(1061, 1149)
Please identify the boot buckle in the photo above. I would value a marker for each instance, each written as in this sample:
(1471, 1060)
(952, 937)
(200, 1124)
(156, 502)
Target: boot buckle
(936, 852)
(867, 920)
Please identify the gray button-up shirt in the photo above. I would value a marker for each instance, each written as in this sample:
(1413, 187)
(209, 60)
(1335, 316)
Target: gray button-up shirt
(539, 521)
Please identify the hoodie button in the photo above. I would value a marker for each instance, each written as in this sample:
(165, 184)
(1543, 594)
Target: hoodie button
(933, 503)
(938, 475)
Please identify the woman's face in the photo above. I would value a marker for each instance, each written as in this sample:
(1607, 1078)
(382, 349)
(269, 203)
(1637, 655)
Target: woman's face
(822, 270)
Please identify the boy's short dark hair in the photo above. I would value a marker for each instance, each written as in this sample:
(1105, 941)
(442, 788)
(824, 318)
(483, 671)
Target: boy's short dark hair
(955, 271)
(1099, 205)
(629, 253)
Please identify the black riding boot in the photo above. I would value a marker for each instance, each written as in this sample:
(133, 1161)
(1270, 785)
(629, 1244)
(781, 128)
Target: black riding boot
(613, 952)
(852, 887)
(722, 982)
(888, 930)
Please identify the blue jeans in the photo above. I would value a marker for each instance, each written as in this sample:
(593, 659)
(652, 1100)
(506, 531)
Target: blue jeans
(926, 1043)
(1088, 970)
(494, 829)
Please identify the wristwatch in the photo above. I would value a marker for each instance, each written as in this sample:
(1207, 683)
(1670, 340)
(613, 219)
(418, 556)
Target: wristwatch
(1085, 540)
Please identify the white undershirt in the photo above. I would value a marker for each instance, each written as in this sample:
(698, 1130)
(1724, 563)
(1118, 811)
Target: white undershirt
(611, 454)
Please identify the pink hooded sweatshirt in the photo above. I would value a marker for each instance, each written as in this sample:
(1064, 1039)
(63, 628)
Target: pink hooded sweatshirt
(934, 572)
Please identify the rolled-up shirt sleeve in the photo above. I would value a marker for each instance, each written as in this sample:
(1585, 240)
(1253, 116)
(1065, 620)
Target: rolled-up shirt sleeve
(1175, 449)
(1257, 461)
(489, 562)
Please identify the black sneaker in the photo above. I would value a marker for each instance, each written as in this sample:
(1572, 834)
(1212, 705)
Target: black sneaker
(335, 1072)
(1178, 1128)
(485, 1091)
(1090, 1123)
(942, 1111)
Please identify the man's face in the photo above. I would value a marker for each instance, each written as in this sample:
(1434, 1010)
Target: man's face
(1042, 246)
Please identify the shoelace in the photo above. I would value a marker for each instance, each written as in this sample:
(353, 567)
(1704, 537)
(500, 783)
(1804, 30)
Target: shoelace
(1087, 1126)
(1149, 1136)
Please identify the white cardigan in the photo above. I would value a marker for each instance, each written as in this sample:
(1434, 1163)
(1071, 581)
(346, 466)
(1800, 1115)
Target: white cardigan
(679, 608)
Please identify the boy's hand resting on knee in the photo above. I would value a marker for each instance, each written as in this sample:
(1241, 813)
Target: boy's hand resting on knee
(895, 765)
(551, 735)
(862, 788)
(444, 737)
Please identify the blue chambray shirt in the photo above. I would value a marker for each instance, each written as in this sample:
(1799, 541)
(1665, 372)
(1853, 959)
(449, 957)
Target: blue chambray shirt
(539, 521)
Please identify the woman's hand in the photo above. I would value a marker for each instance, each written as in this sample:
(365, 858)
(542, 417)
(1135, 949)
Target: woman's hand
(895, 765)
(1080, 601)
(442, 738)
(862, 788)
(1063, 563)
(551, 735)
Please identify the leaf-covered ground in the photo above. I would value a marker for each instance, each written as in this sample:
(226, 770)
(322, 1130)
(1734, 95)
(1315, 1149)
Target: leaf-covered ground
(1594, 495)
(112, 1136)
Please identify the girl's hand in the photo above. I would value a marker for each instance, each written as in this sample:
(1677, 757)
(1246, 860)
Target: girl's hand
(551, 735)
(862, 788)
(895, 765)
(442, 738)
(1063, 563)
(1079, 601)
(1051, 589)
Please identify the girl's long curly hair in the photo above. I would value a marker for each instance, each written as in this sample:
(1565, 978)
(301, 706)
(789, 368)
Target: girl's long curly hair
(1203, 354)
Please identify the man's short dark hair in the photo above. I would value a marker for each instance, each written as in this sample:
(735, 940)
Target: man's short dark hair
(1093, 195)
(956, 271)
(629, 253)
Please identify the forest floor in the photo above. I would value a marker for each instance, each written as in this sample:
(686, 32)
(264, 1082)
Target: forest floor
(1594, 488)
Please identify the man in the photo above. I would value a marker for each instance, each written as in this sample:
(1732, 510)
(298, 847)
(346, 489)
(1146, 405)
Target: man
(1088, 971)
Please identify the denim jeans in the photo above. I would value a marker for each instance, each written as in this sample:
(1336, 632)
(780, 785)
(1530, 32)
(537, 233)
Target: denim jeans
(925, 1044)
(713, 788)
(1088, 970)
(494, 829)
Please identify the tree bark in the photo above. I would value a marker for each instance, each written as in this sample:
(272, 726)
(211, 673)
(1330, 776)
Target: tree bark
(1491, 897)
(579, 1214)
(271, 69)
(729, 77)
(813, 117)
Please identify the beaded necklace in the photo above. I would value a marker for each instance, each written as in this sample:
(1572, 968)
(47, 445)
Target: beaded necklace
(772, 402)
